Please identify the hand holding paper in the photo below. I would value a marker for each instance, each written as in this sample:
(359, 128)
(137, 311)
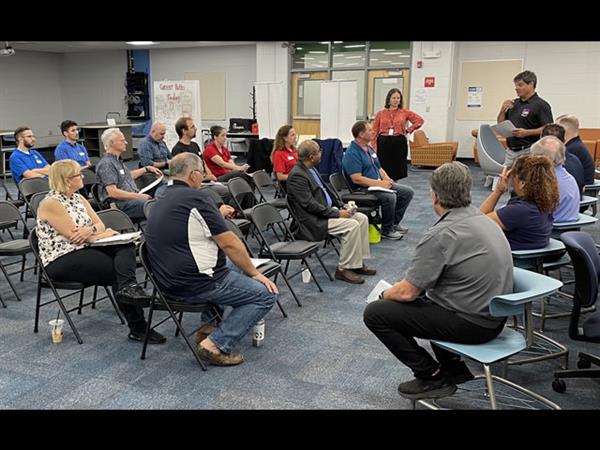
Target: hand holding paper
(504, 129)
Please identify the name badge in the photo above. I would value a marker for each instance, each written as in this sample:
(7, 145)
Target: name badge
(122, 172)
(374, 155)
(38, 161)
(290, 157)
(391, 131)
(81, 153)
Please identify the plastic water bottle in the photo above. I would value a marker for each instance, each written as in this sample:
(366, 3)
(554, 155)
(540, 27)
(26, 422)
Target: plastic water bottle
(306, 276)
(259, 333)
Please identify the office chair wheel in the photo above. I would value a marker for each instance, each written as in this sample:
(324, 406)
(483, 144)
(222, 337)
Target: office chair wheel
(583, 364)
(559, 385)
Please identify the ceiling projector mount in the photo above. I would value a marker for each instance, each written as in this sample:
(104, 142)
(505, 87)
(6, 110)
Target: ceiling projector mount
(7, 50)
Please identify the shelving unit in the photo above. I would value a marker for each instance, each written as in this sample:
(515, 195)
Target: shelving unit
(91, 133)
(137, 95)
(6, 148)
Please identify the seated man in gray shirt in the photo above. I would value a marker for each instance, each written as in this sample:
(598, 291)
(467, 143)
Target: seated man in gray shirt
(153, 150)
(461, 263)
(117, 181)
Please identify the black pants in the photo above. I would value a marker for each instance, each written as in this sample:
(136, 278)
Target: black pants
(113, 265)
(397, 324)
(392, 152)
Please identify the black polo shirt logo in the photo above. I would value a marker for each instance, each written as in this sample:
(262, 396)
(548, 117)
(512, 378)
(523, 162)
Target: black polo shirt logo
(525, 112)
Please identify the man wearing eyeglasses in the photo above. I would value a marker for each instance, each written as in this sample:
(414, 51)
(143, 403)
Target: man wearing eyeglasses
(25, 162)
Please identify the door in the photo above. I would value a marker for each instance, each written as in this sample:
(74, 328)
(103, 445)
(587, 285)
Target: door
(379, 84)
(306, 102)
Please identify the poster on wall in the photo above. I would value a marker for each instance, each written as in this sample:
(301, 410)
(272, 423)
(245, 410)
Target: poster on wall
(175, 99)
(474, 96)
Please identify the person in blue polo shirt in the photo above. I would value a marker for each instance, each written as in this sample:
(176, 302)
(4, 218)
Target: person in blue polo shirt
(24, 161)
(70, 148)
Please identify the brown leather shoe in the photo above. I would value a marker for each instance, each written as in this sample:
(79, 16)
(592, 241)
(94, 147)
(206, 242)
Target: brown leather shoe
(348, 276)
(204, 331)
(364, 270)
(220, 359)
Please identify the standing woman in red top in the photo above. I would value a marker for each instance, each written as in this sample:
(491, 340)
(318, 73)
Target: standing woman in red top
(389, 129)
(284, 155)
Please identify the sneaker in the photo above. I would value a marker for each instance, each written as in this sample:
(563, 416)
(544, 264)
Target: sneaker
(422, 388)
(392, 234)
(220, 359)
(348, 276)
(134, 295)
(400, 229)
(457, 372)
(204, 331)
(154, 338)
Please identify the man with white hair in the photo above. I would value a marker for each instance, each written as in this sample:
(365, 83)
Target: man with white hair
(576, 147)
(153, 150)
(568, 206)
(116, 180)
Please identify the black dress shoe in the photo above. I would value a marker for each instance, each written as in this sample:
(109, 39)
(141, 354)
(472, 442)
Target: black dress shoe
(134, 295)
(154, 338)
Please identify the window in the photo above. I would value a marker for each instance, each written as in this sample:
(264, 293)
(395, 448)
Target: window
(309, 98)
(310, 55)
(389, 54)
(349, 54)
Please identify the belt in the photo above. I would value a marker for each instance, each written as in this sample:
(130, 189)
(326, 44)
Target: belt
(519, 148)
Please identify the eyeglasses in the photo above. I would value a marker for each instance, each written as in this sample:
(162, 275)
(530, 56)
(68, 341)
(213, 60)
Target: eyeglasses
(78, 175)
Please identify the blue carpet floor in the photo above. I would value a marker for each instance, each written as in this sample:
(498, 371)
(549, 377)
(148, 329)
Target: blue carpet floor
(320, 357)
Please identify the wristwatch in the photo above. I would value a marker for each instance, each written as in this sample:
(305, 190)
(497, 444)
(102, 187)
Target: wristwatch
(381, 295)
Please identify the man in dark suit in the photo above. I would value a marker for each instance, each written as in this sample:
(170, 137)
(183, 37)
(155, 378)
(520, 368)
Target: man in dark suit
(319, 212)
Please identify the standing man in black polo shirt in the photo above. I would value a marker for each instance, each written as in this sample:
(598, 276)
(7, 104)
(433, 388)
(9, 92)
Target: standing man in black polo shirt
(528, 113)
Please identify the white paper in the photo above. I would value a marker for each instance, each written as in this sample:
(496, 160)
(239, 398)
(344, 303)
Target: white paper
(378, 289)
(151, 185)
(474, 97)
(379, 188)
(504, 129)
(111, 122)
(259, 261)
(123, 238)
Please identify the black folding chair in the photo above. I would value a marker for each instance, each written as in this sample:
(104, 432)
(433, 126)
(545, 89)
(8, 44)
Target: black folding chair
(95, 189)
(35, 200)
(45, 281)
(243, 224)
(368, 204)
(264, 217)
(240, 189)
(262, 180)
(27, 187)
(162, 302)
(268, 269)
(16, 247)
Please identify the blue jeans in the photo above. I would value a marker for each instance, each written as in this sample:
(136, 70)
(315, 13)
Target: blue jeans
(394, 205)
(249, 299)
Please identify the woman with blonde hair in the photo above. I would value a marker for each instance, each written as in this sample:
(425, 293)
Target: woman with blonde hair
(66, 225)
(527, 217)
(284, 155)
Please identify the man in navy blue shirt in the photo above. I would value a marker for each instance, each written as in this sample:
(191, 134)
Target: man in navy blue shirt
(70, 148)
(576, 147)
(572, 163)
(188, 240)
(362, 165)
(25, 162)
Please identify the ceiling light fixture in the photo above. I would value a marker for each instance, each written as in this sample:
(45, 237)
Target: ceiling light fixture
(141, 43)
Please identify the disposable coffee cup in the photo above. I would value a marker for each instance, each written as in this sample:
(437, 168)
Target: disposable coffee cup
(306, 276)
(56, 330)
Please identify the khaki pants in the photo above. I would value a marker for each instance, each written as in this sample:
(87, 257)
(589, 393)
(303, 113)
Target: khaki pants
(354, 234)
(511, 155)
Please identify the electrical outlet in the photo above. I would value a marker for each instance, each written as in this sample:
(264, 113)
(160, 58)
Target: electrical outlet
(427, 108)
(50, 132)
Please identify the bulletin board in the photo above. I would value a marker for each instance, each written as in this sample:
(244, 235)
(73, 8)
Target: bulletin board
(484, 85)
(212, 101)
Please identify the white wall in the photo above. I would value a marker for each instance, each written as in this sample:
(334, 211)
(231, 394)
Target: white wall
(272, 64)
(30, 94)
(92, 85)
(567, 79)
(438, 105)
(237, 61)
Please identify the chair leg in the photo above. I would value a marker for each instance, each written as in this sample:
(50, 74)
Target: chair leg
(282, 310)
(112, 300)
(66, 314)
(289, 287)
(312, 275)
(81, 301)
(94, 297)
(12, 286)
(38, 300)
(180, 318)
(148, 327)
(2, 301)
(23, 267)
(323, 265)
(490, 385)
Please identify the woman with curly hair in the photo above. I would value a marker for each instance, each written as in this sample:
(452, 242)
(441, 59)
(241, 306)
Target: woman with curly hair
(527, 217)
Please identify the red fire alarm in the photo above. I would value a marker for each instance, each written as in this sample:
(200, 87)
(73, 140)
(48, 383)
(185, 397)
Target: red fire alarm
(429, 81)
(419, 64)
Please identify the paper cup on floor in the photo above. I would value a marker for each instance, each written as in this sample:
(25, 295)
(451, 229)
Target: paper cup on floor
(56, 330)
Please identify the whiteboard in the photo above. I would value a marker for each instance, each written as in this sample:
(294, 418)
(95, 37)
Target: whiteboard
(483, 86)
(175, 99)
(338, 109)
(270, 108)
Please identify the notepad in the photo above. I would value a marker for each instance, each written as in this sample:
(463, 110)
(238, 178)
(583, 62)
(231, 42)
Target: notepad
(259, 261)
(151, 185)
(378, 289)
(124, 238)
(379, 188)
(504, 129)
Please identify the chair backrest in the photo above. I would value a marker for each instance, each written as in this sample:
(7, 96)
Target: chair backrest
(10, 213)
(586, 265)
(95, 189)
(491, 152)
(237, 187)
(89, 177)
(527, 286)
(419, 139)
(29, 186)
(264, 215)
(214, 195)
(262, 179)
(35, 200)
(148, 206)
(338, 182)
(116, 219)
(236, 230)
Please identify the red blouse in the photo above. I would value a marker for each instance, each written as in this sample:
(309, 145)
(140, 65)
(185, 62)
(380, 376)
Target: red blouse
(209, 152)
(396, 119)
